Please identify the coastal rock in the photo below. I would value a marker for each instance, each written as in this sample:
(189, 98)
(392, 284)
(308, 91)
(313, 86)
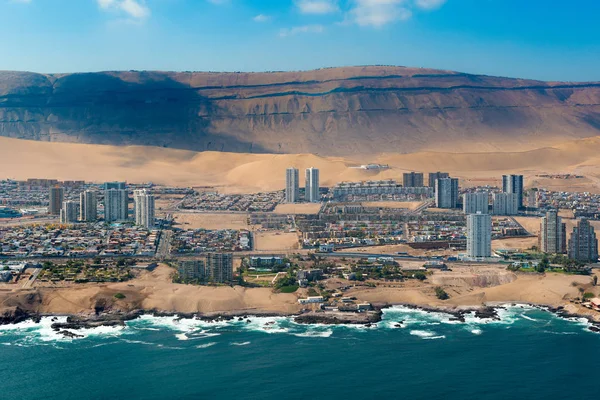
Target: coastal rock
(16, 315)
(70, 334)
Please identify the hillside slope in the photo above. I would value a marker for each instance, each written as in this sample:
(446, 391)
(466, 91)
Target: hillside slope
(338, 111)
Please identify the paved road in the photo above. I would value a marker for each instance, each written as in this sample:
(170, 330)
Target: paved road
(163, 250)
(32, 279)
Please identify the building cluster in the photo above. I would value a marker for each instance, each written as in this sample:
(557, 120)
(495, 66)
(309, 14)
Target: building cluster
(215, 268)
(115, 205)
(350, 233)
(206, 241)
(84, 241)
(212, 201)
(582, 244)
(378, 190)
(311, 185)
(583, 204)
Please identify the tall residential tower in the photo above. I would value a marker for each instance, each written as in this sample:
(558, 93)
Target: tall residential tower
(513, 184)
(291, 185)
(144, 208)
(311, 185)
(479, 235)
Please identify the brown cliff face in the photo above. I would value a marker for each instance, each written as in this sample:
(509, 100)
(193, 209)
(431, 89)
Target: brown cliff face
(338, 111)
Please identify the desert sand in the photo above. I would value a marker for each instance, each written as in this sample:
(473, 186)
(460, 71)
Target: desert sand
(242, 172)
(211, 220)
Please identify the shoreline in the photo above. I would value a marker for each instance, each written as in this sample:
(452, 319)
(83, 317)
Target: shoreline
(77, 322)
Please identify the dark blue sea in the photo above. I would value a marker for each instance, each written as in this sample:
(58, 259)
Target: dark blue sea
(528, 354)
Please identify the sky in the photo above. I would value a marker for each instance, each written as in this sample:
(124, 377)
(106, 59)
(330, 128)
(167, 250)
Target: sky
(537, 39)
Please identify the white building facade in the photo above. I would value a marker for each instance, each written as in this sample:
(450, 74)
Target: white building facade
(311, 185)
(116, 206)
(479, 235)
(476, 202)
(144, 208)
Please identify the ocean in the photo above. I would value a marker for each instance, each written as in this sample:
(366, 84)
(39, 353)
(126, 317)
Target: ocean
(410, 354)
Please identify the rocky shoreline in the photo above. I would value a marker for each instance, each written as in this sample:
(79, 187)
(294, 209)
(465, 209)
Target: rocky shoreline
(368, 318)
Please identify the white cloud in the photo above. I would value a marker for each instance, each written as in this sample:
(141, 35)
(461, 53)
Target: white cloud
(429, 4)
(301, 29)
(377, 13)
(135, 9)
(262, 18)
(317, 6)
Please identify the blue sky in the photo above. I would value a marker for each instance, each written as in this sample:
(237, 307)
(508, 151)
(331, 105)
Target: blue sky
(542, 39)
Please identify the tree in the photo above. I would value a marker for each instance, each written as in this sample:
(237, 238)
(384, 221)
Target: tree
(542, 265)
(441, 293)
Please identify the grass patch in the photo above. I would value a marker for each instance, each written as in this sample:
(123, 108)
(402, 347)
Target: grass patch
(119, 296)
(588, 295)
(288, 289)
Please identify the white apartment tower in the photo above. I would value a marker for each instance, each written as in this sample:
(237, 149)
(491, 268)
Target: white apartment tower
(479, 235)
(446, 193)
(476, 202)
(116, 206)
(88, 206)
(505, 204)
(553, 234)
(311, 193)
(291, 185)
(144, 208)
(68, 212)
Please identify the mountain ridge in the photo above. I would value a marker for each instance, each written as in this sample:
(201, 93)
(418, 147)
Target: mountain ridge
(335, 111)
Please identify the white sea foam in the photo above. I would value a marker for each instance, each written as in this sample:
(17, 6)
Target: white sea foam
(476, 331)
(423, 334)
(315, 334)
(434, 337)
(206, 345)
(239, 343)
(528, 318)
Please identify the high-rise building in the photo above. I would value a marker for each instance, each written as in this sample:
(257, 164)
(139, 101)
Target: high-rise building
(532, 199)
(513, 184)
(446, 193)
(144, 208)
(479, 235)
(476, 202)
(583, 244)
(115, 185)
(219, 267)
(311, 185)
(69, 212)
(413, 179)
(434, 176)
(57, 197)
(88, 206)
(292, 185)
(116, 205)
(553, 234)
(505, 204)
(192, 270)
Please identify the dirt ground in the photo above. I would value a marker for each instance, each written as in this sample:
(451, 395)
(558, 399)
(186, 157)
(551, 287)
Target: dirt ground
(300, 208)
(211, 221)
(275, 241)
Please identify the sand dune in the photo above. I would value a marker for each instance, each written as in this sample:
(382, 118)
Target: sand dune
(21, 159)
